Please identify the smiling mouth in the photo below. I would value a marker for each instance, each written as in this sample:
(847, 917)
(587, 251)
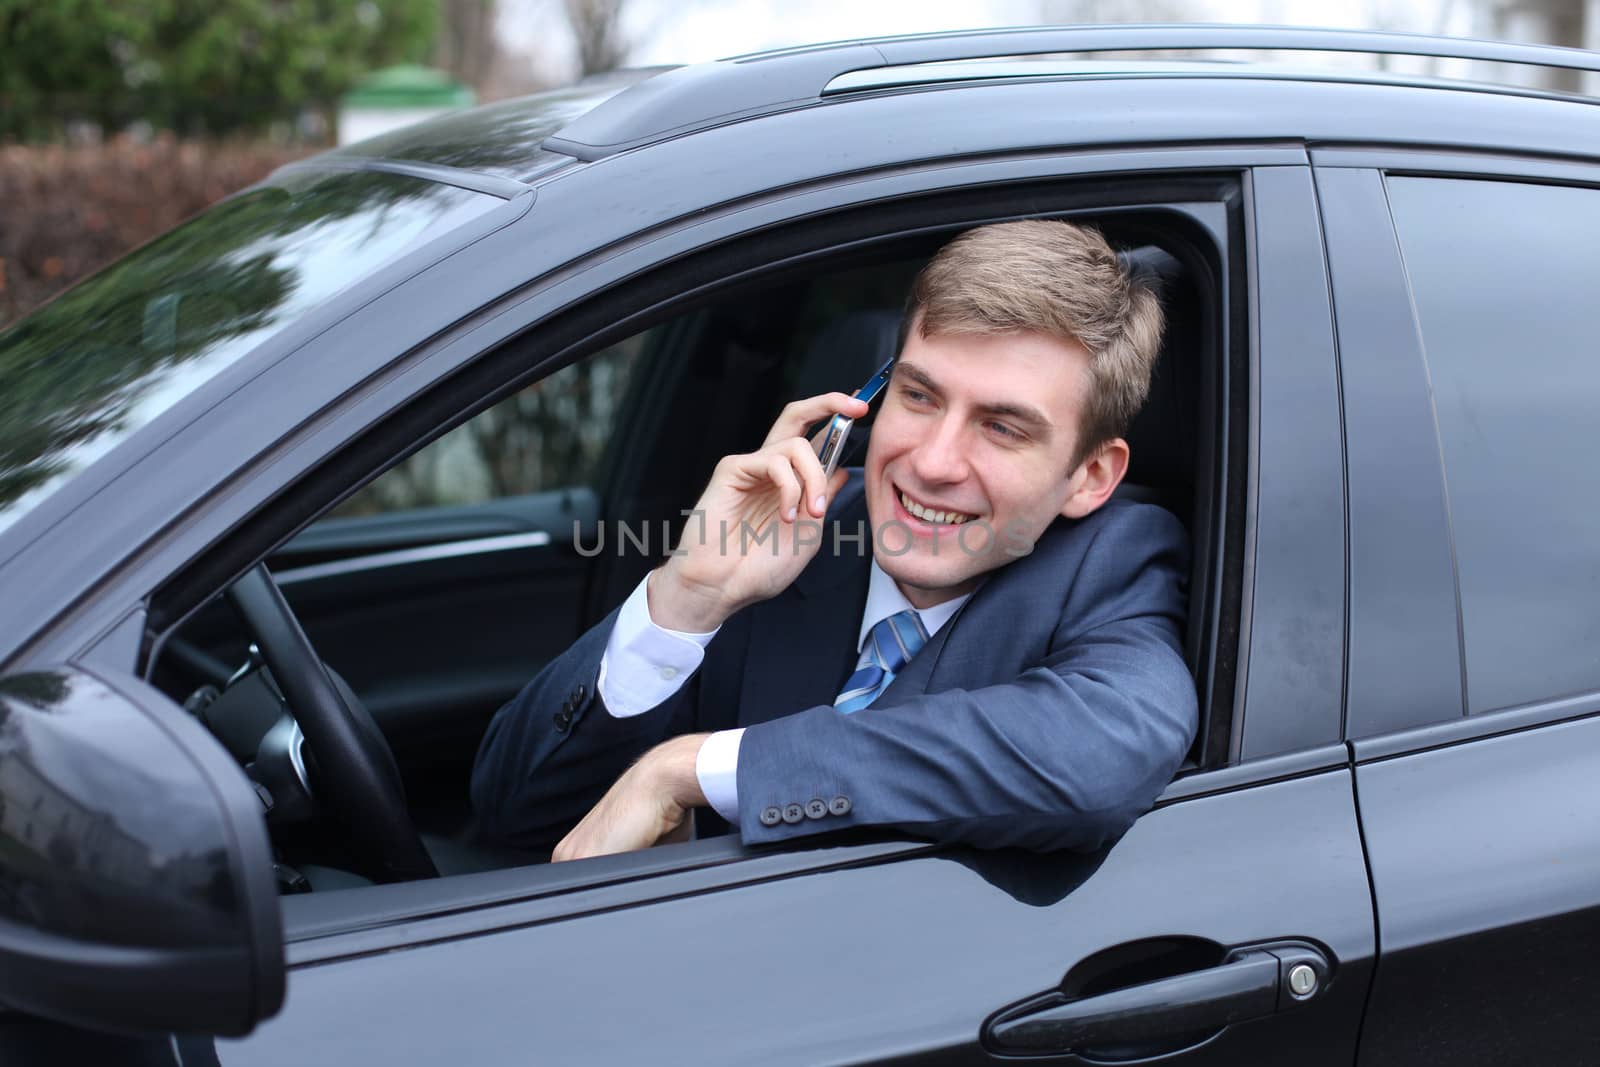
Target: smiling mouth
(931, 515)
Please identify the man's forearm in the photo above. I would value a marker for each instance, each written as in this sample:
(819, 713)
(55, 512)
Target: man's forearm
(650, 801)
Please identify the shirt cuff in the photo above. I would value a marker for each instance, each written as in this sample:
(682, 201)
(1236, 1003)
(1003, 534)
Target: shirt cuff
(644, 664)
(717, 768)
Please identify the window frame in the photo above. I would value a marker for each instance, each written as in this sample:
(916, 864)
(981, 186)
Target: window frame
(608, 315)
(1357, 174)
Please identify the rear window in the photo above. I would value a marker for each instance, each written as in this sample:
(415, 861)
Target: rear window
(107, 357)
(1504, 276)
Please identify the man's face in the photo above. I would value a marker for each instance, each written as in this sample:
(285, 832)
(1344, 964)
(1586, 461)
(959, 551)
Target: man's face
(968, 460)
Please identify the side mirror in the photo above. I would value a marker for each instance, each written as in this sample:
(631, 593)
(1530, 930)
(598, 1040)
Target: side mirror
(136, 884)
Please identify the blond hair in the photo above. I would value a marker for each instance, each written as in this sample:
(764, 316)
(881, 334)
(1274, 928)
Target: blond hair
(1059, 279)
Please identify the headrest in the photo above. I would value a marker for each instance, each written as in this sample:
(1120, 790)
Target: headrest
(1162, 437)
(847, 352)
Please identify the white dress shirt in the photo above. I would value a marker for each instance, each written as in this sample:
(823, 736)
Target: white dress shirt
(644, 664)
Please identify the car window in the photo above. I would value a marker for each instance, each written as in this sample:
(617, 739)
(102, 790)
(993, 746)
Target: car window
(550, 435)
(443, 586)
(106, 358)
(1504, 277)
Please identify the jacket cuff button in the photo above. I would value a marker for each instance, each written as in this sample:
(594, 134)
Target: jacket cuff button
(839, 805)
(816, 808)
(562, 720)
(793, 813)
(771, 816)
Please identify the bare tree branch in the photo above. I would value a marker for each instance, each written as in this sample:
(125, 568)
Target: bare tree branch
(597, 29)
(466, 43)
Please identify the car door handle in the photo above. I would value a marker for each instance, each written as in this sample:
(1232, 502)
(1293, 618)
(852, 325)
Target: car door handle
(1251, 984)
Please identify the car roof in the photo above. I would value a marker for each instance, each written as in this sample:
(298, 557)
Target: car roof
(529, 138)
(699, 97)
(502, 139)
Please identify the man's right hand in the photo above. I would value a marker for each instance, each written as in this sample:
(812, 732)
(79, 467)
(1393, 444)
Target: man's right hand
(755, 527)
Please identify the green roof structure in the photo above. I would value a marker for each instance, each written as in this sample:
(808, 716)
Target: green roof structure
(408, 87)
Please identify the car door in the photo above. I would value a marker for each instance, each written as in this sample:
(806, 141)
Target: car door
(1470, 385)
(1231, 924)
(871, 953)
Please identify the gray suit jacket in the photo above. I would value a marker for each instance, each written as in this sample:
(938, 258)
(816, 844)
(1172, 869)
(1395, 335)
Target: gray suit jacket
(1048, 713)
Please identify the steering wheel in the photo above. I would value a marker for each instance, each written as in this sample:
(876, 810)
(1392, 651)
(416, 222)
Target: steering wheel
(360, 781)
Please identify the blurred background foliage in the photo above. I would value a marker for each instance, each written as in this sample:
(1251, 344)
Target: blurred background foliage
(196, 67)
(121, 118)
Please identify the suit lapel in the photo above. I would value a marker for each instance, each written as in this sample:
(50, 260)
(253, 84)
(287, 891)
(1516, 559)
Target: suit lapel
(803, 641)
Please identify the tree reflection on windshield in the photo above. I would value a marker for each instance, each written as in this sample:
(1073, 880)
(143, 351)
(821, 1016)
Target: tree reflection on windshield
(110, 355)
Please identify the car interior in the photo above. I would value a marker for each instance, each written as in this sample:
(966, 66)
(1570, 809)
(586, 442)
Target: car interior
(435, 590)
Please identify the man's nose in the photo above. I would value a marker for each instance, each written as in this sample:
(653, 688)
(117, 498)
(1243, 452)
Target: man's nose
(942, 456)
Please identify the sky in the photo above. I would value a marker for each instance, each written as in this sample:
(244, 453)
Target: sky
(687, 31)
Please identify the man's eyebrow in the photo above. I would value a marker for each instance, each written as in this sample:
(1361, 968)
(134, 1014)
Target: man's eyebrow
(916, 374)
(1030, 417)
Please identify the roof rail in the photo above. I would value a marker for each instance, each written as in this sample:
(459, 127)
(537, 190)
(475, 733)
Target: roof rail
(691, 98)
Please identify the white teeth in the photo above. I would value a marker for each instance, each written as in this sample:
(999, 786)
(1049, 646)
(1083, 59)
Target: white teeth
(948, 518)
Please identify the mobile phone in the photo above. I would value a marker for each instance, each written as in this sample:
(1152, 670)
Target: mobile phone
(829, 441)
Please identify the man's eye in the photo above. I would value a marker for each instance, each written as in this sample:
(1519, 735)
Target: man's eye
(1000, 429)
(914, 396)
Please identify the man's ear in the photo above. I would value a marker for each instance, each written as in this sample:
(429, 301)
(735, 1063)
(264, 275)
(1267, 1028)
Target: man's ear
(1097, 478)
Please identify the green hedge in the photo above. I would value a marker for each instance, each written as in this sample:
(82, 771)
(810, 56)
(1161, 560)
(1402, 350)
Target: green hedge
(66, 211)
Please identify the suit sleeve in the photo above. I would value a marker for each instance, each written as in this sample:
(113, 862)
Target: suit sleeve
(1064, 755)
(552, 752)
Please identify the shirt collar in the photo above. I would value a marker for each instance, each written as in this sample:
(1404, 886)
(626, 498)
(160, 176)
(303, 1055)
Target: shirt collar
(885, 599)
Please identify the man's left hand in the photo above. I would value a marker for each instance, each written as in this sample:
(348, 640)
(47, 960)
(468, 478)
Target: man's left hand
(649, 804)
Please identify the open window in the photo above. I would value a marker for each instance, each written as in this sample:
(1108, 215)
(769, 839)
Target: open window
(444, 567)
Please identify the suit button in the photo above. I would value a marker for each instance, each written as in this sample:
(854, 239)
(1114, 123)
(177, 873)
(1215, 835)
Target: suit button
(771, 816)
(793, 813)
(578, 694)
(839, 805)
(562, 720)
(816, 808)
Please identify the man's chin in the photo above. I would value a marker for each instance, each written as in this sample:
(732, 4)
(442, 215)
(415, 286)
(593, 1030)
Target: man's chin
(927, 580)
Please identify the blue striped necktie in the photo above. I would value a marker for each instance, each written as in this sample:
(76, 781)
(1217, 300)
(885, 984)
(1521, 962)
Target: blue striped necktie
(890, 646)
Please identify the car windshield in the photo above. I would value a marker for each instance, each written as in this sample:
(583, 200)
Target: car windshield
(109, 356)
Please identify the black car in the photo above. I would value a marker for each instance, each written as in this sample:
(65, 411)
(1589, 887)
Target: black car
(389, 404)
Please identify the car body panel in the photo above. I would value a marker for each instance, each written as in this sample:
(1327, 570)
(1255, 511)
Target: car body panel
(1488, 892)
(501, 139)
(1296, 585)
(1405, 656)
(1479, 827)
(859, 964)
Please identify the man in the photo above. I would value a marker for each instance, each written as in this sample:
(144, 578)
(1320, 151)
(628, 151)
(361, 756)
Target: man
(1003, 667)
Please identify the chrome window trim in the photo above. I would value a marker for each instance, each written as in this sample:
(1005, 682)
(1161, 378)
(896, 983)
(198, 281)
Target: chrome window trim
(404, 556)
